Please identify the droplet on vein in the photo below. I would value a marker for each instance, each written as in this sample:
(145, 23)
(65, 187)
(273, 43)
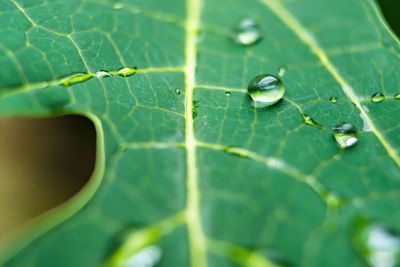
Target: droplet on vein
(310, 121)
(126, 71)
(333, 99)
(75, 78)
(377, 97)
(103, 74)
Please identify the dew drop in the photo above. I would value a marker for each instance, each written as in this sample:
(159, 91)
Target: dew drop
(126, 71)
(377, 97)
(75, 78)
(103, 74)
(333, 99)
(227, 93)
(247, 32)
(308, 120)
(147, 257)
(281, 71)
(397, 96)
(345, 135)
(177, 91)
(379, 246)
(117, 5)
(265, 90)
(235, 151)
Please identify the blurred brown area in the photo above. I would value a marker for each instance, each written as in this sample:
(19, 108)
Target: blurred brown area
(43, 162)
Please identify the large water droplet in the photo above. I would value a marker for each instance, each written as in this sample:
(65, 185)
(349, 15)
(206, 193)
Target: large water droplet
(227, 93)
(247, 32)
(126, 71)
(333, 99)
(103, 74)
(75, 78)
(397, 96)
(377, 97)
(345, 135)
(177, 91)
(379, 246)
(265, 90)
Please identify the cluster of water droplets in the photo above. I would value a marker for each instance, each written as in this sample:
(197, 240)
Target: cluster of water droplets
(82, 77)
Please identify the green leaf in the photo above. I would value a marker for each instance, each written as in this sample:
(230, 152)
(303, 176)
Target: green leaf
(201, 177)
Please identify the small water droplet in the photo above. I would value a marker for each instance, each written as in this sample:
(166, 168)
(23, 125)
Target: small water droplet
(227, 93)
(195, 106)
(117, 5)
(345, 135)
(265, 90)
(177, 91)
(308, 120)
(75, 78)
(333, 99)
(333, 199)
(247, 32)
(377, 97)
(379, 246)
(126, 71)
(103, 74)
(281, 71)
(235, 151)
(147, 257)
(396, 96)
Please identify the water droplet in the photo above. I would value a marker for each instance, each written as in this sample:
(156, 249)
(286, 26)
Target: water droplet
(265, 90)
(396, 96)
(177, 91)
(333, 99)
(195, 106)
(227, 93)
(377, 97)
(281, 71)
(235, 151)
(75, 78)
(247, 32)
(117, 5)
(125, 72)
(345, 135)
(379, 246)
(147, 257)
(332, 199)
(103, 74)
(308, 120)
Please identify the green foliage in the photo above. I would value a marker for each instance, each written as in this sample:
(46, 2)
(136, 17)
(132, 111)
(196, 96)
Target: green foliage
(203, 174)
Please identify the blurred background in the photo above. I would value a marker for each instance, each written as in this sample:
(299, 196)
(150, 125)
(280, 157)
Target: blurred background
(45, 161)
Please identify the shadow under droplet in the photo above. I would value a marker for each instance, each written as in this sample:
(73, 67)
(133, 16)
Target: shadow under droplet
(43, 163)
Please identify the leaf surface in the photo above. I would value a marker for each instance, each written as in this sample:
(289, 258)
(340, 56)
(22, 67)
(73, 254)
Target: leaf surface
(206, 176)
